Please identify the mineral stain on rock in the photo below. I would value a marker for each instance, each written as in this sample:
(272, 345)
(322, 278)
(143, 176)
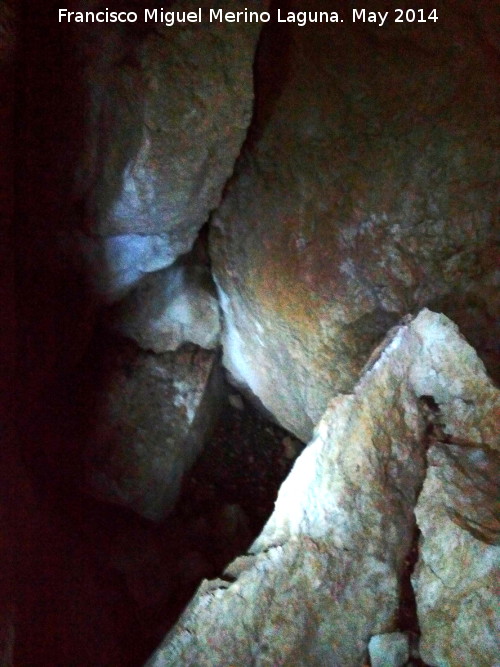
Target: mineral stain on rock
(330, 567)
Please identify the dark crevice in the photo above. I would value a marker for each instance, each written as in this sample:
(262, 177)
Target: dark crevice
(407, 613)
(147, 572)
(270, 73)
(407, 618)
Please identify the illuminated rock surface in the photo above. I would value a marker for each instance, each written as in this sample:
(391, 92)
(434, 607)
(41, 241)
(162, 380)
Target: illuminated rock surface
(324, 575)
(168, 114)
(458, 514)
(169, 308)
(366, 191)
(389, 650)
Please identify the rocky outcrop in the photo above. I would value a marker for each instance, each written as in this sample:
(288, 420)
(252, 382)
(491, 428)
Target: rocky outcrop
(366, 191)
(147, 420)
(458, 514)
(168, 308)
(167, 114)
(324, 575)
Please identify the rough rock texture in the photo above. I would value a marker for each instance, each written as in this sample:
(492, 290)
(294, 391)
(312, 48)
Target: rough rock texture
(169, 308)
(324, 575)
(149, 420)
(367, 190)
(458, 512)
(167, 114)
(389, 650)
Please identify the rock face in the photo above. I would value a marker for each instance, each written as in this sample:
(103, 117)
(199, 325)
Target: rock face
(458, 514)
(169, 308)
(150, 418)
(167, 115)
(389, 650)
(324, 575)
(352, 208)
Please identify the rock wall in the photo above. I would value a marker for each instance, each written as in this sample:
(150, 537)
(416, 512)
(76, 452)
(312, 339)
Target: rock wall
(146, 419)
(366, 191)
(129, 135)
(168, 111)
(325, 574)
(455, 581)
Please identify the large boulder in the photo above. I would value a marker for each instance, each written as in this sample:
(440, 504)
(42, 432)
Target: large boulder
(168, 110)
(325, 574)
(147, 418)
(367, 190)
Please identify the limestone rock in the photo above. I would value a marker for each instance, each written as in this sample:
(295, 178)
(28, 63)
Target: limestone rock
(169, 308)
(167, 115)
(324, 575)
(389, 650)
(458, 514)
(372, 202)
(150, 418)
(116, 263)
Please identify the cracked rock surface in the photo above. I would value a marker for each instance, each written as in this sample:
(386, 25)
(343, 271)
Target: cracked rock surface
(324, 575)
(166, 115)
(458, 513)
(367, 190)
(168, 308)
(146, 419)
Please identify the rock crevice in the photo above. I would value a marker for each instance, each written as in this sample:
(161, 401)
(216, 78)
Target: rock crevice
(345, 528)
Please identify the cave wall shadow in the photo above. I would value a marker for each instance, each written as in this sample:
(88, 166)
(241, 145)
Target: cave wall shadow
(69, 610)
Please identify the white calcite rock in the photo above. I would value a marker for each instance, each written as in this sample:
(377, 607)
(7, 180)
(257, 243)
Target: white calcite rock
(459, 567)
(324, 575)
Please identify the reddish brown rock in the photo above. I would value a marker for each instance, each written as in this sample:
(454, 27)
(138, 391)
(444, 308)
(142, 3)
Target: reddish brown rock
(367, 190)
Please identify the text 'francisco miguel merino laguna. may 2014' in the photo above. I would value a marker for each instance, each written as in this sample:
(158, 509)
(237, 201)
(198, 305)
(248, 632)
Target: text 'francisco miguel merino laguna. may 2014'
(170, 18)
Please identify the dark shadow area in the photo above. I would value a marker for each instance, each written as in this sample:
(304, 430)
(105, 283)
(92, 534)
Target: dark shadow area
(69, 611)
(271, 70)
(96, 585)
(105, 584)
